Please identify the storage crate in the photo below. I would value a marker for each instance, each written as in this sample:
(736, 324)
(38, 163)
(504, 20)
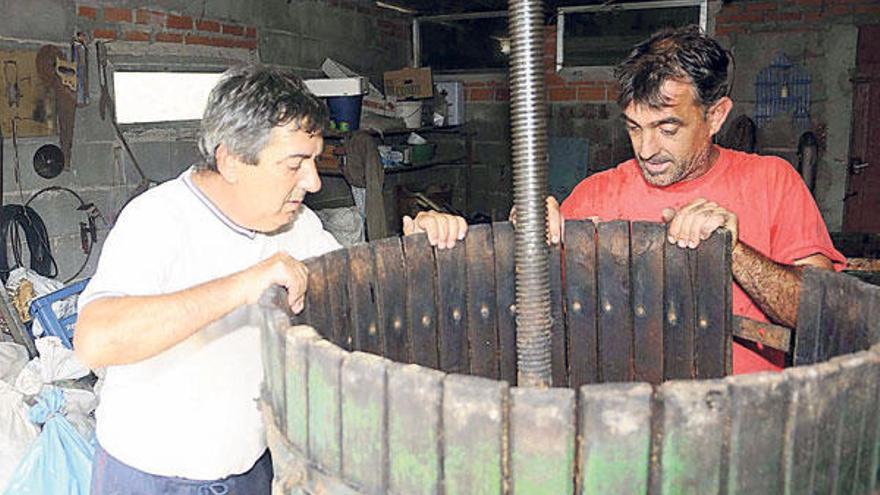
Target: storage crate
(41, 310)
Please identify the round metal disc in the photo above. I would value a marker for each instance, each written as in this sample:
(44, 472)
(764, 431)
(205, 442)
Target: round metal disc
(48, 161)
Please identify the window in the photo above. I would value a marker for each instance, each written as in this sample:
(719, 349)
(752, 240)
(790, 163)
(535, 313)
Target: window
(602, 35)
(476, 42)
(143, 97)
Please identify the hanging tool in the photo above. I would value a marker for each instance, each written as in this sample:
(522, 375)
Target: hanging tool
(79, 56)
(59, 75)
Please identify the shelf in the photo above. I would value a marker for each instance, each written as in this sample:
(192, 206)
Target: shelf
(451, 129)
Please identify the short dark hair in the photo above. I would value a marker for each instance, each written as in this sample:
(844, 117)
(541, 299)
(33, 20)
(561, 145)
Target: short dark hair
(685, 54)
(247, 103)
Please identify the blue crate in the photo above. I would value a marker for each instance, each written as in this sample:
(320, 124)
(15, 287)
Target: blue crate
(41, 309)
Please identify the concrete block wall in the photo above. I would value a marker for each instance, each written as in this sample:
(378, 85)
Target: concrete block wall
(181, 35)
(821, 36)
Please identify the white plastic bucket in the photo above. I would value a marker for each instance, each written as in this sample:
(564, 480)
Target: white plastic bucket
(410, 112)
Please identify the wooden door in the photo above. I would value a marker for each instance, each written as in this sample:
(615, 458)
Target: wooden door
(862, 199)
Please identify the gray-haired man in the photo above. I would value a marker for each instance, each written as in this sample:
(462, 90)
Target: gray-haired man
(178, 411)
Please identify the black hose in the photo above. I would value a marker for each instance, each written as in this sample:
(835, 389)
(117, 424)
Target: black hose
(15, 217)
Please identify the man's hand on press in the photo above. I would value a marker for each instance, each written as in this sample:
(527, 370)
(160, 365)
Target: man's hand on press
(442, 229)
(695, 222)
(280, 269)
(555, 223)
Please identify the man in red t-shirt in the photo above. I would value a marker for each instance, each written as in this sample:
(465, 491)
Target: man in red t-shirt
(673, 92)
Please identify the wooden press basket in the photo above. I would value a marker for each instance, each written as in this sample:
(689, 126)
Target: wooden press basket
(399, 376)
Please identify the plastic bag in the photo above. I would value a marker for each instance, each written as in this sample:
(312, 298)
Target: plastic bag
(17, 433)
(60, 461)
(55, 363)
(13, 357)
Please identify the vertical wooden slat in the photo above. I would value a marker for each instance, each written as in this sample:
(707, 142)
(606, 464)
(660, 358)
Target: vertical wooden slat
(809, 320)
(420, 295)
(325, 421)
(712, 333)
(558, 358)
(296, 386)
(505, 295)
(480, 288)
(691, 420)
(758, 411)
(364, 434)
(363, 298)
(473, 433)
(538, 465)
(846, 304)
(391, 274)
(805, 408)
(615, 438)
(648, 241)
(580, 295)
(315, 310)
(414, 415)
(336, 275)
(858, 383)
(678, 313)
(869, 451)
(615, 313)
(451, 309)
(273, 344)
(825, 406)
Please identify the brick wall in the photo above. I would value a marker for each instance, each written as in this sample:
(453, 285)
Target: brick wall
(154, 26)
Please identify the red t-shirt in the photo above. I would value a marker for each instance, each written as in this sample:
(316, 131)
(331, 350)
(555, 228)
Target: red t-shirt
(777, 217)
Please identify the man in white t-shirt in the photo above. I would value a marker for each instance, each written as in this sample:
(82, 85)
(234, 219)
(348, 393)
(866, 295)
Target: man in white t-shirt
(165, 311)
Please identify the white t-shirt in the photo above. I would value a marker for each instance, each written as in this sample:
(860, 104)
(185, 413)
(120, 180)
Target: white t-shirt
(190, 411)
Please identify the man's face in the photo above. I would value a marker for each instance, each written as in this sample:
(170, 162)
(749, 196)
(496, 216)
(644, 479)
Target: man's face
(672, 143)
(284, 173)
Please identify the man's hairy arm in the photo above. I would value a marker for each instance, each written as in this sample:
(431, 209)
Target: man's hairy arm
(774, 287)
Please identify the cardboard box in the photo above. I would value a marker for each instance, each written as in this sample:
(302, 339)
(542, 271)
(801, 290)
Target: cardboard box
(409, 83)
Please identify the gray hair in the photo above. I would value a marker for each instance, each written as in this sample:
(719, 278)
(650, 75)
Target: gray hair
(247, 103)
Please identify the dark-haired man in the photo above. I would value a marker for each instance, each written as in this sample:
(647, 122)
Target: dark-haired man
(673, 93)
(164, 311)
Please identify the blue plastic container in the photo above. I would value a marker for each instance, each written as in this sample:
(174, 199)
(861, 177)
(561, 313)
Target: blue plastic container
(345, 111)
(41, 309)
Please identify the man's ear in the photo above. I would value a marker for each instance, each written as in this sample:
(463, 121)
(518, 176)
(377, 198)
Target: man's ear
(227, 163)
(718, 114)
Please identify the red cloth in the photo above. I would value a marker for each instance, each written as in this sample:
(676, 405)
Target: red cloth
(777, 217)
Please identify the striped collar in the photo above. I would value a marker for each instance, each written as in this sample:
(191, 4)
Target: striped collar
(187, 179)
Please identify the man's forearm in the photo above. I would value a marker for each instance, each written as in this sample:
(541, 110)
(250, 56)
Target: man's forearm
(774, 287)
(128, 329)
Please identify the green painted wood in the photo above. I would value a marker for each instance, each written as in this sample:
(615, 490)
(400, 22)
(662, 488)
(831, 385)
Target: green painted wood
(615, 313)
(272, 350)
(391, 274)
(615, 438)
(363, 296)
(558, 338)
(505, 296)
(336, 276)
(420, 294)
(758, 412)
(364, 435)
(414, 398)
(859, 379)
(648, 241)
(679, 311)
(481, 309)
(713, 357)
(296, 386)
(325, 418)
(473, 433)
(451, 309)
(539, 466)
(580, 297)
(692, 417)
